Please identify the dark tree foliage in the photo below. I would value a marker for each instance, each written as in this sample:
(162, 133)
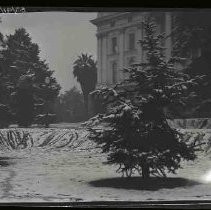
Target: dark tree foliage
(85, 70)
(191, 31)
(192, 40)
(5, 111)
(6, 116)
(20, 55)
(24, 101)
(46, 94)
(69, 106)
(137, 136)
(24, 76)
(45, 119)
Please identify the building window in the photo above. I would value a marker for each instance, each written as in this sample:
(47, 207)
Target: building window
(114, 72)
(114, 45)
(131, 41)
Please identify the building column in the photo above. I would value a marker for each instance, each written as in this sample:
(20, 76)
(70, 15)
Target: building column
(168, 27)
(109, 68)
(104, 59)
(99, 60)
(120, 75)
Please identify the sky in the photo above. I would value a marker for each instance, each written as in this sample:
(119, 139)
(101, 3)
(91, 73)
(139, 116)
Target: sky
(61, 36)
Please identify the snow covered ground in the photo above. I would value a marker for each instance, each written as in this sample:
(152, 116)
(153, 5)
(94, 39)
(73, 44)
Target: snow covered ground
(68, 168)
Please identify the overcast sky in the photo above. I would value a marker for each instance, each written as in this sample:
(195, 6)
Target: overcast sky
(61, 36)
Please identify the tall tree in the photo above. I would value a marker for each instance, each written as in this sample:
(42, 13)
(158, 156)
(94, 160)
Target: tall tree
(138, 137)
(85, 70)
(192, 40)
(27, 73)
(46, 90)
(5, 86)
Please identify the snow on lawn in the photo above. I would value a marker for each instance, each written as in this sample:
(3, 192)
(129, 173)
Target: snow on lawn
(61, 165)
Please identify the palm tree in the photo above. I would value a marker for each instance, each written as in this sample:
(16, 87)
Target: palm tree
(85, 71)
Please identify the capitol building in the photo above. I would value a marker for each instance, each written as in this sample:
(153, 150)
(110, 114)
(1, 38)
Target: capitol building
(117, 41)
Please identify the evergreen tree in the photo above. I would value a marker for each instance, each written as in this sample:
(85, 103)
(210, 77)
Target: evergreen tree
(26, 73)
(192, 41)
(46, 94)
(20, 55)
(137, 136)
(5, 86)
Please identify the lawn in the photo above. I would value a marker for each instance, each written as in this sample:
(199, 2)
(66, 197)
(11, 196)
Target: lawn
(69, 168)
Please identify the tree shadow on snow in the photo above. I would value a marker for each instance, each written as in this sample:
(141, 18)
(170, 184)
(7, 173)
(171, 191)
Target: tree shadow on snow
(137, 183)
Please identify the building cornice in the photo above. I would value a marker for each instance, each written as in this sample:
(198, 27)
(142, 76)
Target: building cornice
(120, 28)
(99, 20)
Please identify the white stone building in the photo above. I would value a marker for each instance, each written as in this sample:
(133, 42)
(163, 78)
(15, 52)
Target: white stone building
(117, 41)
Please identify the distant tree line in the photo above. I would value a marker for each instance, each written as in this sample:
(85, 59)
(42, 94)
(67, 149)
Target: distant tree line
(69, 106)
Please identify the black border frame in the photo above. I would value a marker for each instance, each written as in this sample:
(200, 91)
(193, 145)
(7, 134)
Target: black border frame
(111, 5)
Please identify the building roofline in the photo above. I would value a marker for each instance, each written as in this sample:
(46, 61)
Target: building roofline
(98, 20)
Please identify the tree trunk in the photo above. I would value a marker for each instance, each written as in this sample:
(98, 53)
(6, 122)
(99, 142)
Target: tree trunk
(145, 171)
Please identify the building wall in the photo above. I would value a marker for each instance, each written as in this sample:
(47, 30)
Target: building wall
(121, 25)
